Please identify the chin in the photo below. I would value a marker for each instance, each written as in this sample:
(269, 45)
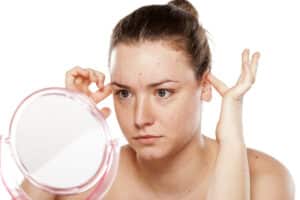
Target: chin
(151, 152)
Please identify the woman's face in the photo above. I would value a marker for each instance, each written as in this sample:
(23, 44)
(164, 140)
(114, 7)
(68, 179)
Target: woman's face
(155, 93)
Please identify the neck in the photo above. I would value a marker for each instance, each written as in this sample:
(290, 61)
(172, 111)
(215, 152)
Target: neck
(178, 173)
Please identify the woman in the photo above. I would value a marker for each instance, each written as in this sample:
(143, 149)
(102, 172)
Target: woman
(160, 64)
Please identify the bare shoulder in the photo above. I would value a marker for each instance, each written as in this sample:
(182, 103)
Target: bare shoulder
(124, 180)
(270, 179)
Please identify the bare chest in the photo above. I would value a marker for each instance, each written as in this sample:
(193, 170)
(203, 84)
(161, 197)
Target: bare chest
(132, 189)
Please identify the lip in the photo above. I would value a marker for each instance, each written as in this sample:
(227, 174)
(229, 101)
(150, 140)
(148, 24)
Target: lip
(147, 139)
(147, 136)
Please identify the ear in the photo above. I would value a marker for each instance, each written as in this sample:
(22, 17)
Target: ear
(206, 88)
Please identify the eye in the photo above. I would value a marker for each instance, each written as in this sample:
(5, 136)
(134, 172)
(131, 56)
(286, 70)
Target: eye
(122, 94)
(162, 92)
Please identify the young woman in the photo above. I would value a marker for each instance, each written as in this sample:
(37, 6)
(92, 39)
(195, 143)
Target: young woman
(160, 64)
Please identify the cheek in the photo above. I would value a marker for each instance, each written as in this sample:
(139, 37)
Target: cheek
(184, 115)
(122, 117)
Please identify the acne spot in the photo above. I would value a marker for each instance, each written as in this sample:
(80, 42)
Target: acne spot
(177, 60)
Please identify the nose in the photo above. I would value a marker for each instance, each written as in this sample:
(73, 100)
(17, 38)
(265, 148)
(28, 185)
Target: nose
(143, 112)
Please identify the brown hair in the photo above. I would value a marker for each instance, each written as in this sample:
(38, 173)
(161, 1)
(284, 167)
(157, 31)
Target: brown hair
(175, 22)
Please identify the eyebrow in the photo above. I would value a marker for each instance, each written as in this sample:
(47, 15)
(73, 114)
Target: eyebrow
(150, 85)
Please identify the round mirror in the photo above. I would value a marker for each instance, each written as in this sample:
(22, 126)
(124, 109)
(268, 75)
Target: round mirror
(60, 141)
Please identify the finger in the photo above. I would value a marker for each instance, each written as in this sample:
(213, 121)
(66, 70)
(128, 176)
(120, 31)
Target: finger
(74, 76)
(78, 80)
(245, 66)
(83, 82)
(245, 57)
(76, 71)
(102, 93)
(247, 78)
(105, 112)
(254, 63)
(219, 85)
(92, 75)
(249, 70)
(69, 81)
(100, 79)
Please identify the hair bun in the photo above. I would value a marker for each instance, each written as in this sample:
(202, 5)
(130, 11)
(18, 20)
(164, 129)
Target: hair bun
(185, 5)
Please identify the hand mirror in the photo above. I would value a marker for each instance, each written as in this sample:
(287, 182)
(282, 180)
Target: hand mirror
(59, 141)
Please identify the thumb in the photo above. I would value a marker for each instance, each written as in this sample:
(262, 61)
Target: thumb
(219, 85)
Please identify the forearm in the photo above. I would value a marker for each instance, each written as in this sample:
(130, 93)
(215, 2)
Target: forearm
(231, 180)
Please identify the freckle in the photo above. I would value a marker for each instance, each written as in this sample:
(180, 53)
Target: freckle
(256, 157)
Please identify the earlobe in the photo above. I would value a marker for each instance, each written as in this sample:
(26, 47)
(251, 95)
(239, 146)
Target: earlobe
(206, 88)
(206, 93)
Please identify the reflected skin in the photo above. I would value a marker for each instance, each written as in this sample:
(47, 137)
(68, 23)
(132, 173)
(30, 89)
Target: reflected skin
(183, 163)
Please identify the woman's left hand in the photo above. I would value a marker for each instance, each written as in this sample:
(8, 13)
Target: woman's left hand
(229, 127)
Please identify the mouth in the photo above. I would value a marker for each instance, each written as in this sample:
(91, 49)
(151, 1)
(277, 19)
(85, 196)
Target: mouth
(147, 139)
(146, 136)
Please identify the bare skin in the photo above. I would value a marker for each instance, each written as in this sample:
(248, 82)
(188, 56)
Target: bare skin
(182, 163)
(266, 175)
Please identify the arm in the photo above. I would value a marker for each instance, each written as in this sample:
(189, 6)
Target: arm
(231, 179)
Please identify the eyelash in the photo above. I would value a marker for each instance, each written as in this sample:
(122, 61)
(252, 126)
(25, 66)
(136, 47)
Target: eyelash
(168, 90)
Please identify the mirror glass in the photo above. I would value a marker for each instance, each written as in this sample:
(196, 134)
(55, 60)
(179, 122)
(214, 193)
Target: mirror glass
(58, 141)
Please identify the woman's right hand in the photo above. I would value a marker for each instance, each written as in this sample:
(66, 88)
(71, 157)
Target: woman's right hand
(79, 79)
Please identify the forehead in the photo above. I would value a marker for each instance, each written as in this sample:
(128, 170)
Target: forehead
(147, 62)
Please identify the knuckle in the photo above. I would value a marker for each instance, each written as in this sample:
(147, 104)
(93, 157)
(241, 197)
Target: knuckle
(90, 72)
(76, 68)
(100, 75)
(90, 69)
(69, 72)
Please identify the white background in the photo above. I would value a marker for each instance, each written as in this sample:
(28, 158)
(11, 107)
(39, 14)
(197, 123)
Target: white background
(41, 40)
